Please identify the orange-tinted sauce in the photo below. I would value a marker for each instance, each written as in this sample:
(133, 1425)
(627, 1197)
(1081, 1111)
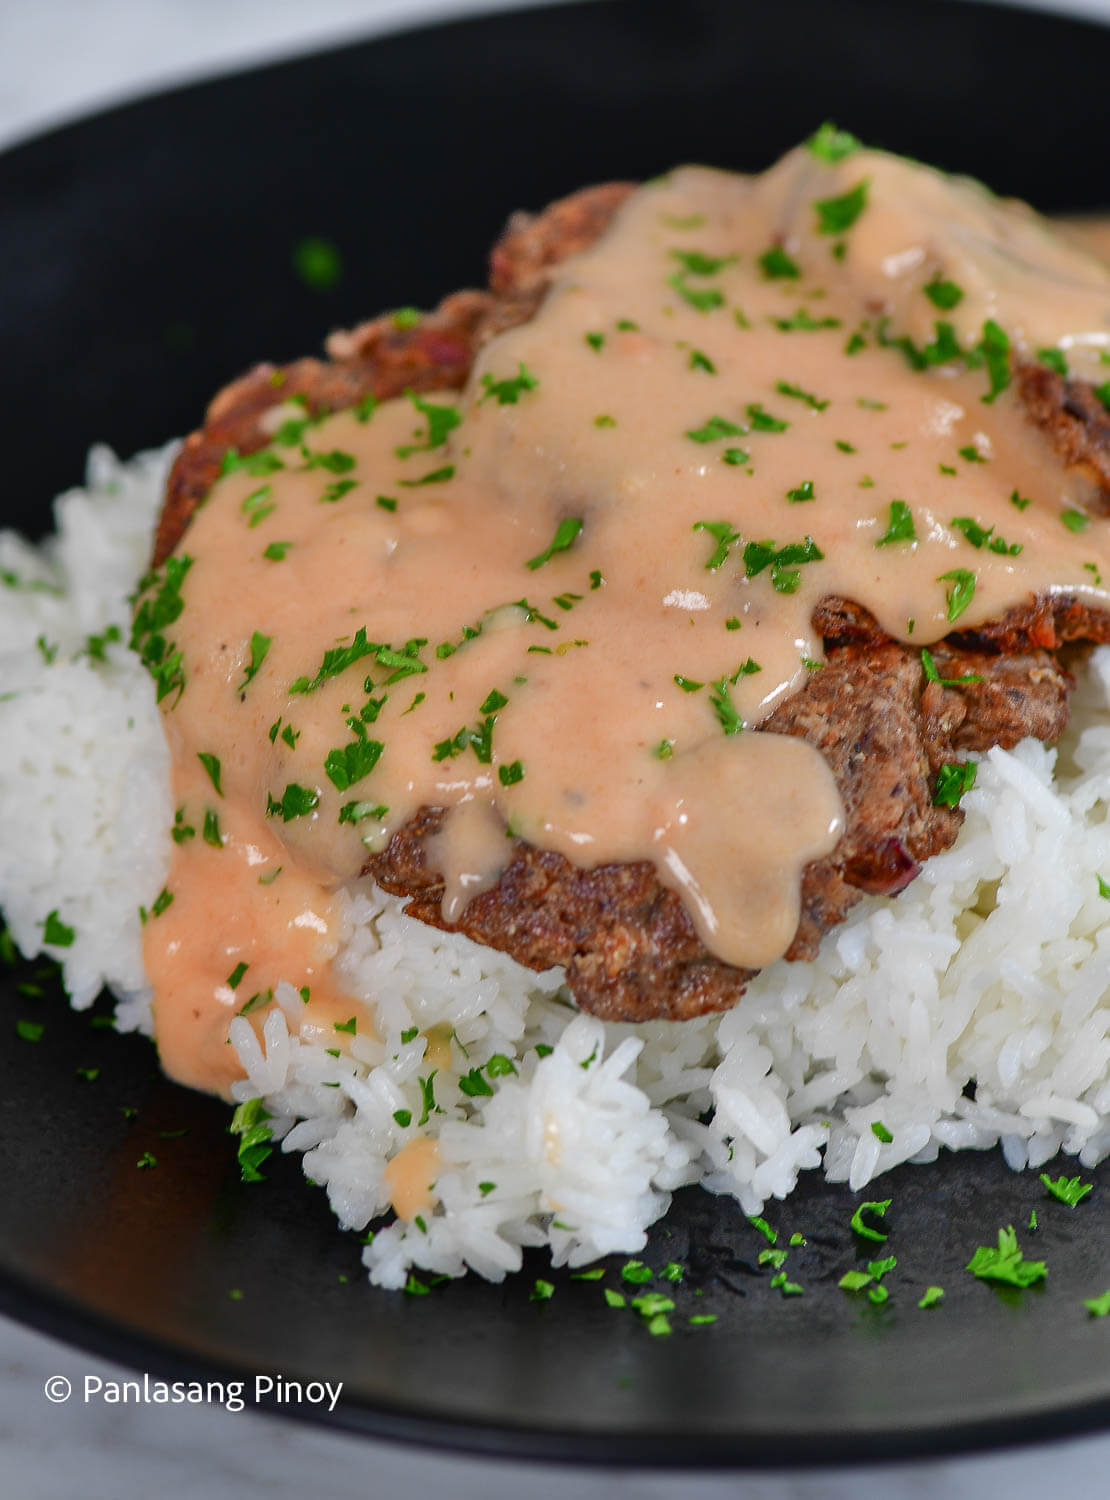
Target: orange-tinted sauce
(710, 378)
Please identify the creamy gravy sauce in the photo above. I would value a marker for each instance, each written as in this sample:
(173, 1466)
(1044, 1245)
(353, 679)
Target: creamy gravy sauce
(671, 402)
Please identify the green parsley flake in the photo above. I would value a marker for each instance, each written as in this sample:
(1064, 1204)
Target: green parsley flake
(148, 1159)
(614, 1299)
(724, 534)
(943, 294)
(318, 263)
(441, 420)
(836, 215)
(211, 834)
(700, 361)
(865, 1230)
(714, 428)
(296, 802)
(212, 765)
(507, 392)
(829, 144)
(962, 591)
(796, 392)
(880, 1132)
(1075, 520)
(1098, 1307)
(804, 491)
(953, 780)
(29, 1031)
(276, 551)
(1068, 1190)
(933, 1295)
(437, 476)
(565, 534)
(763, 421)
(260, 645)
(596, 341)
(928, 666)
(56, 933)
(900, 526)
(777, 265)
(636, 1273)
(542, 1291)
(1006, 1265)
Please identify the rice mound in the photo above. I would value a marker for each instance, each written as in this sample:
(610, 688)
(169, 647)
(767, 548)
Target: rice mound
(969, 1012)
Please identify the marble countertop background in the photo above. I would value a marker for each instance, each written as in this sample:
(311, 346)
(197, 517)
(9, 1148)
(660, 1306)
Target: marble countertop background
(58, 60)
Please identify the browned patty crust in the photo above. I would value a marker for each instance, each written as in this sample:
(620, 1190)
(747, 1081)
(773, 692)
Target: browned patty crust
(629, 947)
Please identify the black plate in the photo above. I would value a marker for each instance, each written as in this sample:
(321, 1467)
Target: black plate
(145, 257)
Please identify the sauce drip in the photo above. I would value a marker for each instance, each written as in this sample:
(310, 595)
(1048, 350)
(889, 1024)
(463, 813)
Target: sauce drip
(558, 603)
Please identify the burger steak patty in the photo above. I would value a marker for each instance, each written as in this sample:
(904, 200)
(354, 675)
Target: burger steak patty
(629, 948)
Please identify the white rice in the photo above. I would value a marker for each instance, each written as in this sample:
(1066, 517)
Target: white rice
(991, 970)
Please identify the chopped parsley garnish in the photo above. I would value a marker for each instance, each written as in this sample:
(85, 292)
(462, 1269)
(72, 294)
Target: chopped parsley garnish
(296, 802)
(980, 536)
(735, 456)
(704, 299)
(784, 388)
(777, 265)
(211, 764)
(1075, 520)
(596, 341)
(346, 765)
(724, 535)
(881, 1133)
(249, 1124)
(971, 454)
(714, 428)
(763, 421)
(336, 660)
(865, 1230)
(829, 144)
(473, 1085)
(148, 1159)
(437, 476)
(565, 533)
(256, 507)
(542, 1291)
(636, 1273)
(260, 644)
(162, 902)
(1068, 1190)
(928, 666)
(317, 262)
(1006, 1264)
(783, 562)
(722, 705)
(56, 933)
(954, 779)
(161, 657)
(1098, 1307)
(335, 461)
(900, 525)
(211, 832)
(804, 322)
(442, 420)
(1054, 359)
(697, 263)
(276, 551)
(803, 491)
(255, 464)
(428, 1097)
(700, 361)
(836, 215)
(933, 1295)
(29, 1031)
(235, 978)
(511, 774)
(943, 294)
(386, 502)
(603, 419)
(614, 1299)
(962, 591)
(337, 490)
(181, 831)
(994, 349)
